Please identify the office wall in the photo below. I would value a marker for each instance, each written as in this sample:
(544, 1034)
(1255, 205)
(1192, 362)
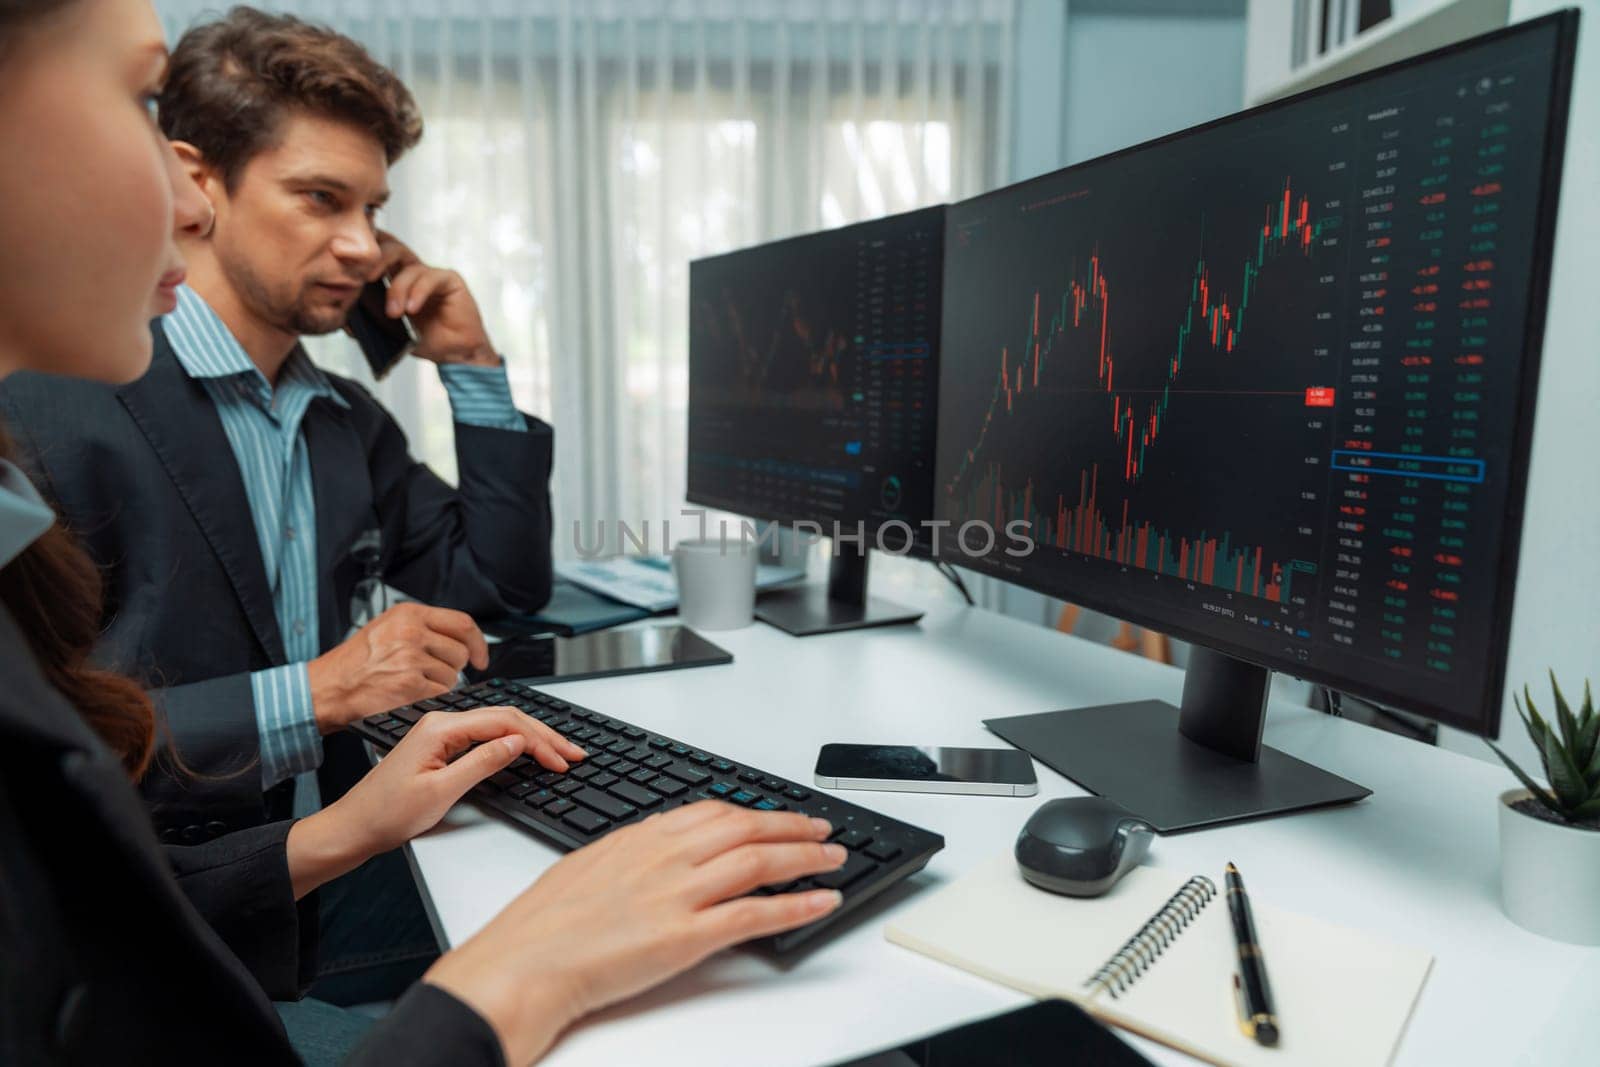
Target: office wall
(1132, 78)
(1092, 77)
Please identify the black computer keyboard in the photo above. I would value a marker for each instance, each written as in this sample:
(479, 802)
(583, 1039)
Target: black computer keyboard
(633, 773)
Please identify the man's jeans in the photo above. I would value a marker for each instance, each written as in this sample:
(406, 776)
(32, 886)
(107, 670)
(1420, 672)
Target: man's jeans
(376, 939)
(322, 1034)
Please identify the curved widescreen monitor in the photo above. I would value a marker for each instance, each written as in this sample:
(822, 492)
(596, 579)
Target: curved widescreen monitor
(813, 376)
(1267, 384)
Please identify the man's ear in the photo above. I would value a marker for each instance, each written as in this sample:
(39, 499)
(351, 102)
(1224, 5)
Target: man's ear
(200, 172)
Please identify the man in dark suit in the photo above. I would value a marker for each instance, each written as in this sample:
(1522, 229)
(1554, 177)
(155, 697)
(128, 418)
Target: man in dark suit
(241, 500)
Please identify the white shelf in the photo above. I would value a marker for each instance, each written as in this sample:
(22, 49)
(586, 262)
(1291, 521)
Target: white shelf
(1405, 35)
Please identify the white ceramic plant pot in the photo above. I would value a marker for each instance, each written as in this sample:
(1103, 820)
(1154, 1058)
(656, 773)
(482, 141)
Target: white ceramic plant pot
(1549, 875)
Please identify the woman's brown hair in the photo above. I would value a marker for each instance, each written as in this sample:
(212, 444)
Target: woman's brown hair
(53, 590)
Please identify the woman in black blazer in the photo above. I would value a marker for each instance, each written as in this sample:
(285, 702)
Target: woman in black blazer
(116, 949)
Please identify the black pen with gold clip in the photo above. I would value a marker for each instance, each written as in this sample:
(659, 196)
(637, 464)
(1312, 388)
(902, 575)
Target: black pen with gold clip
(1251, 992)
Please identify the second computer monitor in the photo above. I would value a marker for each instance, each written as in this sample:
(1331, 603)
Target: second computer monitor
(813, 380)
(813, 371)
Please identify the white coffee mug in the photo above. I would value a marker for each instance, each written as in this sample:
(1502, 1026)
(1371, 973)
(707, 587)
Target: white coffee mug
(716, 582)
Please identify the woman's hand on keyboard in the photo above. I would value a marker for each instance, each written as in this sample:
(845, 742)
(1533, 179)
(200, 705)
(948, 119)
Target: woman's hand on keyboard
(633, 909)
(409, 791)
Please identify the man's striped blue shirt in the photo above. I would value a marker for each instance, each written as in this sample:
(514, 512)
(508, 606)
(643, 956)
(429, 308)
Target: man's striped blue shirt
(262, 425)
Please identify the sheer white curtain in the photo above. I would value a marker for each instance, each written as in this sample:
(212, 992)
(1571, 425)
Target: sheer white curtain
(578, 155)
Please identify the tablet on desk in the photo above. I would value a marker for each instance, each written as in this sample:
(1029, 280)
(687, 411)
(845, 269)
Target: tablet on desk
(1051, 1033)
(599, 655)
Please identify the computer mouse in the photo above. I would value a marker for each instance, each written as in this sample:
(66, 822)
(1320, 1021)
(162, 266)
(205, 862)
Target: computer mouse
(1081, 846)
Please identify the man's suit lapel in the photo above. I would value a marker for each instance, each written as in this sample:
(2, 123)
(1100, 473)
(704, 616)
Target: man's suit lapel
(181, 423)
(341, 483)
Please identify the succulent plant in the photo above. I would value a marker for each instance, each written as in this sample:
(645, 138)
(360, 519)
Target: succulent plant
(1571, 760)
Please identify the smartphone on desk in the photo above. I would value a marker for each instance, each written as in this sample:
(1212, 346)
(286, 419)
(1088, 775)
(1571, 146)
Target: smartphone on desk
(384, 341)
(1000, 772)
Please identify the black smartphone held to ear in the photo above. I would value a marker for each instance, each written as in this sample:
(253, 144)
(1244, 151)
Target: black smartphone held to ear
(383, 340)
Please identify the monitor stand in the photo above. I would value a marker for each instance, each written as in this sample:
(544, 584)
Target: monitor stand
(1182, 768)
(842, 605)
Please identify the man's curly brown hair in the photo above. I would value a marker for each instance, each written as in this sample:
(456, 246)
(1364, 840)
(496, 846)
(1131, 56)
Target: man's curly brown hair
(231, 83)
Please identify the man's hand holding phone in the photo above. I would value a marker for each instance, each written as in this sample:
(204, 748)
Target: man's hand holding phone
(438, 303)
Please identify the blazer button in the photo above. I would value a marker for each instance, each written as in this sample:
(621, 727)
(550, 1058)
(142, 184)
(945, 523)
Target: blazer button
(71, 1018)
(73, 763)
(193, 834)
(214, 828)
(169, 836)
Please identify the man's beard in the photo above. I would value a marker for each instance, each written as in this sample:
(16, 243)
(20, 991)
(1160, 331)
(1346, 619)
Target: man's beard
(296, 315)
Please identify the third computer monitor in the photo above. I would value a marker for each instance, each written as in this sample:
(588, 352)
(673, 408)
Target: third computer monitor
(1267, 384)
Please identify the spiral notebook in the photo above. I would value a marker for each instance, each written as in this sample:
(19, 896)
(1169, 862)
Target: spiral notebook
(1156, 956)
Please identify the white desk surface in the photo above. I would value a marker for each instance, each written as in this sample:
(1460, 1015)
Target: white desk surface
(1417, 862)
